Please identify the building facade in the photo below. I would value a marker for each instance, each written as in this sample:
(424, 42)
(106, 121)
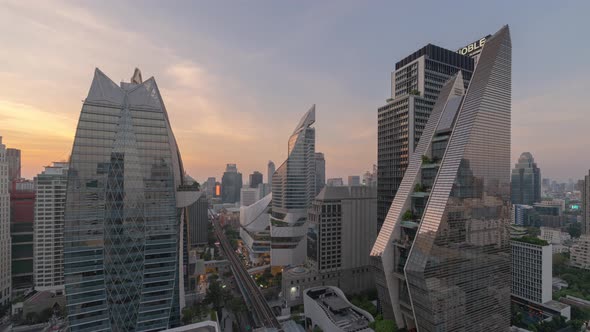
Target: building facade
(415, 85)
(248, 196)
(22, 217)
(293, 188)
(320, 172)
(13, 156)
(50, 201)
(231, 184)
(270, 171)
(335, 182)
(443, 253)
(526, 181)
(5, 240)
(210, 187)
(255, 179)
(586, 205)
(580, 253)
(354, 180)
(532, 269)
(123, 234)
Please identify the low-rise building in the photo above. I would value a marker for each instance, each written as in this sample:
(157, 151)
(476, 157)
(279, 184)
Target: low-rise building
(580, 253)
(557, 238)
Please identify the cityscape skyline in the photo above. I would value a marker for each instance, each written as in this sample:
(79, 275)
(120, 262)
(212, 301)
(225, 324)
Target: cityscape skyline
(198, 81)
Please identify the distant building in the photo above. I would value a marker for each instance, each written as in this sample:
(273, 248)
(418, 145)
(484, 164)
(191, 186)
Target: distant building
(49, 227)
(22, 217)
(335, 182)
(320, 172)
(231, 184)
(370, 178)
(557, 238)
(532, 271)
(354, 180)
(270, 171)
(255, 179)
(586, 205)
(13, 156)
(580, 253)
(210, 187)
(326, 307)
(522, 215)
(5, 240)
(526, 181)
(248, 196)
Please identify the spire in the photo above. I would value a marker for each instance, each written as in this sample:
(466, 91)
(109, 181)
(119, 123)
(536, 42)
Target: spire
(136, 78)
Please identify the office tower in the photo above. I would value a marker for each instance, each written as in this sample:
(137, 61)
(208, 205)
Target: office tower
(586, 205)
(198, 221)
(248, 196)
(443, 253)
(415, 85)
(320, 172)
(270, 171)
(293, 188)
(5, 240)
(13, 156)
(124, 218)
(526, 181)
(522, 215)
(254, 228)
(354, 180)
(231, 183)
(50, 192)
(532, 270)
(210, 187)
(22, 217)
(335, 182)
(255, 179)
(341, 229)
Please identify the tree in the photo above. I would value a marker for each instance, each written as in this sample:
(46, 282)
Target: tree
(187, 315)
(237, 306)
(575, 230)
(408, 215)
(533, 231)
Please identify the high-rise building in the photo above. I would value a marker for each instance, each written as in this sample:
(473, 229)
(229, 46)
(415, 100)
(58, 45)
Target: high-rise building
(231, 184)
(320, 172)
(532, 270)
(124, 215)
(354, 180)
(270, 171)
(22, 217)
(255, 179)
(5, 240)
(50, 200)
(526, 181)
(415, 85)
(293, 188)
(210, 187)
(370, 178)
(586, 205)
(445, 242)
(335, 182)
(13, 156)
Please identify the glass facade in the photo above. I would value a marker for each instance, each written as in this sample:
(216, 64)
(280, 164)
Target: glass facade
(122, 226)
(526, 181)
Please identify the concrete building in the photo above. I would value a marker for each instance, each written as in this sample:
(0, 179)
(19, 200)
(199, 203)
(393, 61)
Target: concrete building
(335, 182)
(293, 188)
(49, 228)
(256, 179)
(326, 307)
(522, 215)
(13, 157)
(415, 85)
(231, 184)
(445, 243)
(320, 172)
(125, 215)
(586, 205)
(210, 187)
(580, 253)
(255, 229)
(22, 218)
(5, 240)
(526, 181)
(354, 180)
(557, 238)
(532, 270)
(248, 196)
(370, 178)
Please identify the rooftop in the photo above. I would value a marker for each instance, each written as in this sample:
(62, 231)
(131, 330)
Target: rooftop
(337, 308)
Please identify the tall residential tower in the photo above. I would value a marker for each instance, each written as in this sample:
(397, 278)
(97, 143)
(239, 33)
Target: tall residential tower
(5, 241)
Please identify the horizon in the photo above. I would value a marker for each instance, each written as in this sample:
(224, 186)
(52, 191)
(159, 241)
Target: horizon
(335, 58)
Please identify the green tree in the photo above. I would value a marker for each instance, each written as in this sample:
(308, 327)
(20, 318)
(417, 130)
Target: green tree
(575, 230)
(187, 315)
(408, 215)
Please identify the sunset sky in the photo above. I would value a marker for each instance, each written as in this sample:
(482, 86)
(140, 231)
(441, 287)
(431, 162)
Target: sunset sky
(237, 76)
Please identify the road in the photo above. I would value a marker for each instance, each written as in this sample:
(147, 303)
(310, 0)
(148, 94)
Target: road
(261, 309)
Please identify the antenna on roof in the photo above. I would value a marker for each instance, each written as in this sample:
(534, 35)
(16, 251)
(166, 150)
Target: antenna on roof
(136, 78)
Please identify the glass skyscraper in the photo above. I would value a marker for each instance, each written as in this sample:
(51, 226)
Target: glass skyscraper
(122, 226)
(526, 181)
(444, 248)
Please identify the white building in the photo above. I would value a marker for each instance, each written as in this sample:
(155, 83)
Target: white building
(248, 196)
(254, 228)
(48, 264)
(580, 253)
(5, 241)
(532, 269)
(557, 238)
(327, 308)
(335, 182)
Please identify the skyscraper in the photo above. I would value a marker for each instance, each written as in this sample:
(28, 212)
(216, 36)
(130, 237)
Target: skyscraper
(22, 217)
(586, 205)
(255, 179)
(444, 248)
(123, 231)
(210, 186)
(526, 181)
(13, 156)
(293, 188)
(415, 85)
(320, 172)
(5, 240)
(48, 264)
(231, 184)
(270, 171)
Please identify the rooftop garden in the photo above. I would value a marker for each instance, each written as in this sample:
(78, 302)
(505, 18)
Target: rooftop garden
(531, 240)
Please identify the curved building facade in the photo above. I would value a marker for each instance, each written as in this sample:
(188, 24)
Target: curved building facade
(122, 224)
(293, 189)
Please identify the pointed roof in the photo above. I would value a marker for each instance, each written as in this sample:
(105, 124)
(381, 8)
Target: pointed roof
(103, 89)
(307, 120)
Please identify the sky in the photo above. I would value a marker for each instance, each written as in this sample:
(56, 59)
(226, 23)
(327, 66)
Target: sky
(236, 76)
